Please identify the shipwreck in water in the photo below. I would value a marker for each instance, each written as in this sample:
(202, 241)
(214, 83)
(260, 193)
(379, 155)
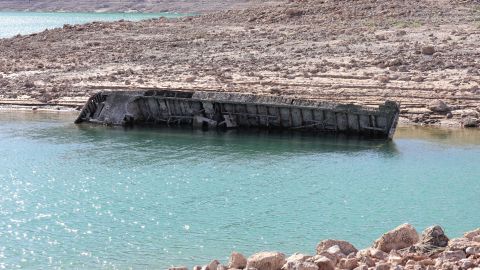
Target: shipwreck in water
(207, 109)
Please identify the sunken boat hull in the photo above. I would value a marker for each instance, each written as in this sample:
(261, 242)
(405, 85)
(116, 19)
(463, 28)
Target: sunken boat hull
(234, 110)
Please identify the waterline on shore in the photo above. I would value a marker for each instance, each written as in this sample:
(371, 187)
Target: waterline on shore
(24, 23)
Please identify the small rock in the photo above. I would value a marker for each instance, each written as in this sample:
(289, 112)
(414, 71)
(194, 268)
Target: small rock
(435, 235)
(453, 255)
(345, 247)
(383, 79)
(324, 263)
(368, 261)
(470, 251)
(197, 267)
(299, 265)
(349, 264)
(428, 50)
(190, 79)
(294, 12)
(466, 263)
(378, 254)
(470, 122)
(361, 267)
(401, 237)
(29, 84)
(418, 79)
(383, 266)
(237, 260)
(325, 254)
(266, 261)
(440, 107)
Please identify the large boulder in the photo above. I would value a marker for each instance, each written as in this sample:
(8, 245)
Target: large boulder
(434, 236)
(401, 237)
(345, 247)
(237, 261)
(266, 261)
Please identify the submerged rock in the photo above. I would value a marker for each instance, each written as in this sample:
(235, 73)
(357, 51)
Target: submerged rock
(344, 246)
(266, 261)
(401, 237)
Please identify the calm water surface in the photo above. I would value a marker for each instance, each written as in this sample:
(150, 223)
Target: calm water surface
(13, 23)
(89, 197)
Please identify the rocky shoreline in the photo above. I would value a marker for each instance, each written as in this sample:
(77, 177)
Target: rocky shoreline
(422, 54)
(398, 249)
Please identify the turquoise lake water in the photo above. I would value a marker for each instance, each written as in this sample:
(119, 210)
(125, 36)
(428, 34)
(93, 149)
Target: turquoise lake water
(13, 23)
(90, 197)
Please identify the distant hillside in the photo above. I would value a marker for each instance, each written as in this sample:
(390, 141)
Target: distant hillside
(185, 6)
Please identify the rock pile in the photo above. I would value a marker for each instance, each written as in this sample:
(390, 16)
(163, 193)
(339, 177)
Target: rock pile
(398, 249)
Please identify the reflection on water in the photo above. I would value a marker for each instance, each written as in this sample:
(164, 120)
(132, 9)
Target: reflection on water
(459, 136)
(84, 196)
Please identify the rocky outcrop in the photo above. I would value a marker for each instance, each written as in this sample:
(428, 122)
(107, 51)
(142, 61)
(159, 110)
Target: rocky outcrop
(344, 246)
(401, 237)
(266, 261)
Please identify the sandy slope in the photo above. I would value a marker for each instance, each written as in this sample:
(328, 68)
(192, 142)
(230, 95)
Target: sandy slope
(420, 53)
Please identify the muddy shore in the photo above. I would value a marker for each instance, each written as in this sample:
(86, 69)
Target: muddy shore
(398, 249)
(423, 54)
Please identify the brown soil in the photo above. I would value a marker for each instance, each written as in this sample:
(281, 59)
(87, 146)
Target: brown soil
(424, 54)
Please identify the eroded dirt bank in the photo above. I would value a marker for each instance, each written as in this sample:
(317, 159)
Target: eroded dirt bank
(424, 54)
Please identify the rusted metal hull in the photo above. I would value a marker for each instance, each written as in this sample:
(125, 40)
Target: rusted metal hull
(234, 110)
